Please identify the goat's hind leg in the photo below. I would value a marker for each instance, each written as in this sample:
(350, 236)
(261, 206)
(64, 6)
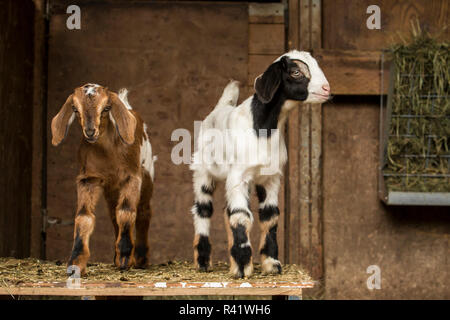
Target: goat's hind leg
(144, 213)
(268, 220)
(88, 192)
(111, 197)
(126, 219)
(202, 212)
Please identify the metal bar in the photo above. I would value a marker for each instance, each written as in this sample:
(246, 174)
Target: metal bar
(429, 139)
(421, 96)
(384, 130)
(381, 186)
(425, 175)
(423, 156)
(418, 116)
(412, 136)
(418, 198)
(415, 75)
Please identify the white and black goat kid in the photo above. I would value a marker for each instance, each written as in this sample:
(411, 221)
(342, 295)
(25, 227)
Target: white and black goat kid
(293, 78)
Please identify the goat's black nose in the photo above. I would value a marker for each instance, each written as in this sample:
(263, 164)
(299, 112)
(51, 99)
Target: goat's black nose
(89, 132)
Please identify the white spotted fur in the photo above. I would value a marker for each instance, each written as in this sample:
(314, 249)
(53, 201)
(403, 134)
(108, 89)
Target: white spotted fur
(90, 89)
(227, 116)
(146, 158)
(271, 154)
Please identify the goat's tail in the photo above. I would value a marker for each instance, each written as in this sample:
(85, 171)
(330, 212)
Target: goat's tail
(230, 94)
(123, 96)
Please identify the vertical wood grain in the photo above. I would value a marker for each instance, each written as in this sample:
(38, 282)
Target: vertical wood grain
(305, 149)
(292, 141)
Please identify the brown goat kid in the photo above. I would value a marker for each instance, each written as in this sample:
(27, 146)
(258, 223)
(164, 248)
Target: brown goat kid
(115, 157)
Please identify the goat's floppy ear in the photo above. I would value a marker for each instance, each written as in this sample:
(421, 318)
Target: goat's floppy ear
(62, 121)
(267, 84)
(123, 118)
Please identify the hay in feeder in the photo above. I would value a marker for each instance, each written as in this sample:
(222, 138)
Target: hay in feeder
(16, 271)
(418, 157)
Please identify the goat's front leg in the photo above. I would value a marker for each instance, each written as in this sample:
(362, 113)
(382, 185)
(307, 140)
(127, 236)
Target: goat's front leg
(202, 212)
(238, 220)
(88, 192)
(268, 220)
(126, 218)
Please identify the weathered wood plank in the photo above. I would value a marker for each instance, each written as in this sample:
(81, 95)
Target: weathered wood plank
(305, 25)
(293, 28)
(316, 251)
(304, 187)
(316, 215)
(16, 131)
(293, 198)
(266, 39)
(352, 72)
(157, 289)
(39, 75)
(266, 13)
(316, 24)
(292, 142)
(345, 22)
(257, 64)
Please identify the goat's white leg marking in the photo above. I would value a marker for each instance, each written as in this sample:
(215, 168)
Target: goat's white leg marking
(202, 212)
(238, 219)
(268, 220)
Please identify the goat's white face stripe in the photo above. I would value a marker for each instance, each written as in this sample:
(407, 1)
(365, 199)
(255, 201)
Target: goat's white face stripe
(303, 68)
(112, 119)
(90, 89)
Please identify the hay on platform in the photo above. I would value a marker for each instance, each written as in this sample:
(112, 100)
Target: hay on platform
(16, 271)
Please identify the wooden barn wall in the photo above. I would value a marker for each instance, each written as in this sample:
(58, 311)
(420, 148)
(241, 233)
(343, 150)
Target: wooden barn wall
(16, 108)
(409, 244)
(175, 58)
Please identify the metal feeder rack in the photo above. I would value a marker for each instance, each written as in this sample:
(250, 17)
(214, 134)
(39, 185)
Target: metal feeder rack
(405, 198)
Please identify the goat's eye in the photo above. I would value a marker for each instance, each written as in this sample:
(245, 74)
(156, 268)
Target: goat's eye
(296, 74)
(106, 109)
(74, 109)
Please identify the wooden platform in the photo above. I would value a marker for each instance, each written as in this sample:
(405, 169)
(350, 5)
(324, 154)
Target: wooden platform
(39, 278)
(158, 289)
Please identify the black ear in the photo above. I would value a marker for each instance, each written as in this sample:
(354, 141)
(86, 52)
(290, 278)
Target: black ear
(267, 84)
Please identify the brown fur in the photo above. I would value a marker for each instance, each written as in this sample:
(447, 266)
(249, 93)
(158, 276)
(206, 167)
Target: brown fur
(265, 227)
(110, 163)
(195, 244)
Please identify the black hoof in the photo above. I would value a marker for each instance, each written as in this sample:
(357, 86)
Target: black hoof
(203, 269)
(278, 266)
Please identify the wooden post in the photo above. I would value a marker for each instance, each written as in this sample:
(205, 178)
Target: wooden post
(292, 141)
(39, 91)
(304, 170)
(316, 250)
